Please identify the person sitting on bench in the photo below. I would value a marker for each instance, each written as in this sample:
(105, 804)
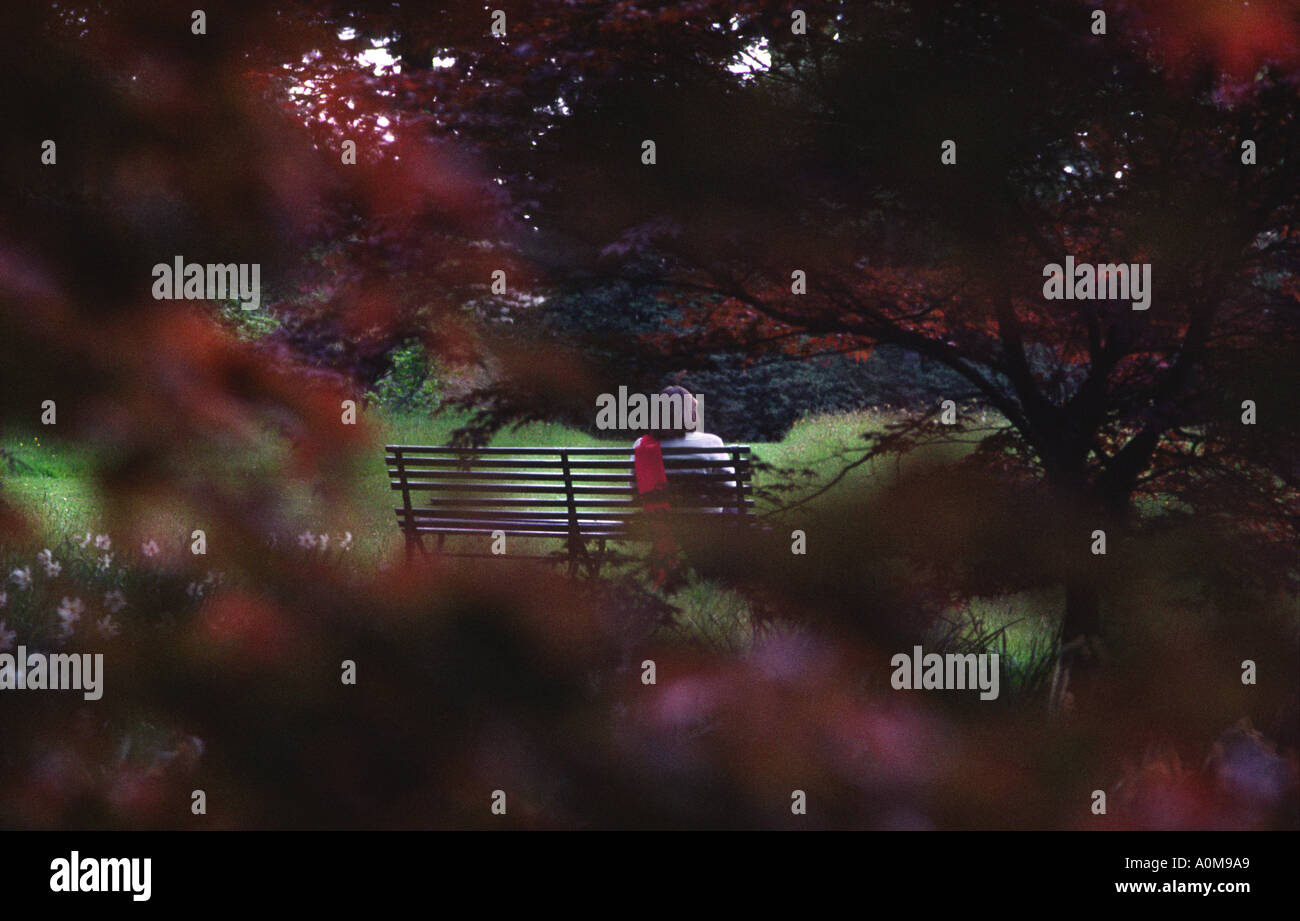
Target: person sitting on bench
(688, 435)
(651, 476)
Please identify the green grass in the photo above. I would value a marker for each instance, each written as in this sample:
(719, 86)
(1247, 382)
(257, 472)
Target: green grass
(51, 481)
(1020, 628)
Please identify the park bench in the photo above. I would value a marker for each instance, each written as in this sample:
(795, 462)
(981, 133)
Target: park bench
(583, 497)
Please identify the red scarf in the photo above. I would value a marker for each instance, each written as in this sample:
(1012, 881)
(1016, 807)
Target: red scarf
(652, 487)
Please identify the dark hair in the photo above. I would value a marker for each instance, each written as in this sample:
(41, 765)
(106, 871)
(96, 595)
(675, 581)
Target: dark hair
(688, 420)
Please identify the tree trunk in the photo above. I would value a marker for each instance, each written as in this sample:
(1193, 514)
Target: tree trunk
(1079, 650)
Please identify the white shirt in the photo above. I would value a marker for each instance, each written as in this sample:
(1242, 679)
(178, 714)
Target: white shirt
(695, 440)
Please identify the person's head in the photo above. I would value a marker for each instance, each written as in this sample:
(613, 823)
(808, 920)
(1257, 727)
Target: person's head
(679, 413)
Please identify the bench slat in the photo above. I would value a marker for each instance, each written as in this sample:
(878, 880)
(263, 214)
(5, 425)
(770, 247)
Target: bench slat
(721, 476)
(424, 515)
(597, 507)
(505, 502)
(450, 463)
(414, 450)
(610, 534)
(614, 532)
(535, 488)
(558, 526)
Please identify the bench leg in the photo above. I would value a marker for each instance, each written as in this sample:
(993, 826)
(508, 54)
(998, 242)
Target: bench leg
(577, 554)
(413, 541)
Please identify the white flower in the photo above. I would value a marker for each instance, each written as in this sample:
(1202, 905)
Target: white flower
(102, 542)
(346, 542)
(114, 601)
(46, 559)
(149, 548)
(21, 577)
(107, 626)
(4, 599)
(85, 540)
(69, 614)
(7, 637)
(324, 541)
(195, 589)
(306, 540)
(105, 561)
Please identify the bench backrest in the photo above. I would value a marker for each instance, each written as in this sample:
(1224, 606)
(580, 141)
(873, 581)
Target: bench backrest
(555, 492)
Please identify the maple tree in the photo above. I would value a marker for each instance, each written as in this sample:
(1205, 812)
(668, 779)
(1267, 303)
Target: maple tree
(825, 157)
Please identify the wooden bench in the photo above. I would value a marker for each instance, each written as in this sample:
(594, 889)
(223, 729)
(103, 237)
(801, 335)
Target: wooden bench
(581, 496)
